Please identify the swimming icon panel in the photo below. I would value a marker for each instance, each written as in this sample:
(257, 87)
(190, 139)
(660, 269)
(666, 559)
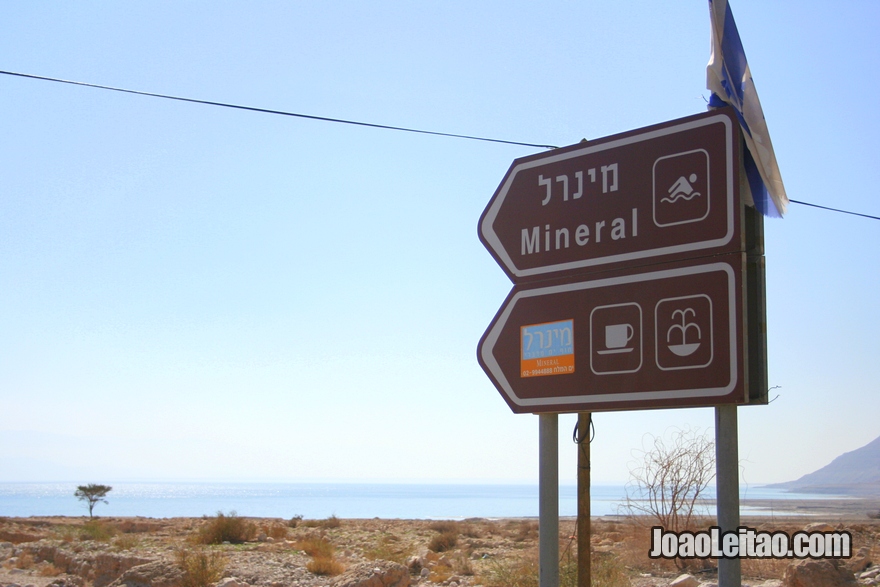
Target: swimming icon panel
(681, 188)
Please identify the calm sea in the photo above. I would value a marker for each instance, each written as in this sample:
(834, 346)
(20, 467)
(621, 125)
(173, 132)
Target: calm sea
(320, 500)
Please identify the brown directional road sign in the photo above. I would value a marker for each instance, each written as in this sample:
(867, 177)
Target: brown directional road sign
(666, 336)
(664, 192)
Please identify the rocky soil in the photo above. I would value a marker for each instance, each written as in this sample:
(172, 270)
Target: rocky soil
(145, 552)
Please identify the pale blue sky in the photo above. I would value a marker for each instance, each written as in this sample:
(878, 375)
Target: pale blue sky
(190, 292)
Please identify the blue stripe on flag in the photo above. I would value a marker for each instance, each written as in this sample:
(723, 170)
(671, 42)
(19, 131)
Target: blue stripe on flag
(734, 58)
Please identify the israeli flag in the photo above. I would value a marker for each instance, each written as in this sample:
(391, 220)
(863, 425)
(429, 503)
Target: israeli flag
(730, 80)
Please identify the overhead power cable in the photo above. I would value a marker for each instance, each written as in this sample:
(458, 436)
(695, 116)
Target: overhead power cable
(836, 210)
(278, 112)
(339, 121)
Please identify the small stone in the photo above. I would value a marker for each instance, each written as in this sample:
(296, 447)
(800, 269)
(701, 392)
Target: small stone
(818, 573)
(385, 574)
(685, 581)
(860, 561)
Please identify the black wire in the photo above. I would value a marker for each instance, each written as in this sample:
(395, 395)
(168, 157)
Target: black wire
(340, 121)
(592, 433)
(835, 210)
(278, 112)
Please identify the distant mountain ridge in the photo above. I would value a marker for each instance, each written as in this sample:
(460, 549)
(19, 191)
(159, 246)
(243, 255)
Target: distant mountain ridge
(853, 473)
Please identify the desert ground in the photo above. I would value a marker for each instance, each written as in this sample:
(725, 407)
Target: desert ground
(231, 551)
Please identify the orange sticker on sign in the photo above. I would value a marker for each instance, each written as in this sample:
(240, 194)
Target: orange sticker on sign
(547, 349)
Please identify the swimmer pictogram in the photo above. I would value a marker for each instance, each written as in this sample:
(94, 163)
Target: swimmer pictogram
(681, 188)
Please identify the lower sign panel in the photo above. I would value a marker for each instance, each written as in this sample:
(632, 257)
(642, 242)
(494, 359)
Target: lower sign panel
(670, 338)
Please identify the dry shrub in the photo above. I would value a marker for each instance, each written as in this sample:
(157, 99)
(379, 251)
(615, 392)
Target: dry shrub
(66, 533)
(442, 526)
(276, 531)
(98, 531)
(524, 531)
(466, 528)
(225, 528)
(765, 568)
(295, 520)
(389, 548)
(443, 541)
(670, 478)
(331, 522)
(200, 567)
(24, 561)
(126, 542)
(521, 571)
(137, 526)
(461, 564)
(440, 573)
(17, 537)
(321, 551)
(635, 546)
(48, 570)
(326, 566)
(316, 547)
(470, 530)
(606, 570)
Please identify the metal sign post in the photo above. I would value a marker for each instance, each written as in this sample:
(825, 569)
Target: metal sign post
(727, 488)
(548, 500)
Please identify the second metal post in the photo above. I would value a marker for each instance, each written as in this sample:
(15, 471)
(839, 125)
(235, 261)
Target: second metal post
(548, 500)
(727, 488)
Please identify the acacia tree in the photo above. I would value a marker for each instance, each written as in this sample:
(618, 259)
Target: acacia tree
(669, 478)
(92, 493)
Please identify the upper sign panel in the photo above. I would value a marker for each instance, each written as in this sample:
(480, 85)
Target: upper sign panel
(670, 190)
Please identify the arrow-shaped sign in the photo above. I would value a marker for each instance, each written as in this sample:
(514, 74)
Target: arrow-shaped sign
(669, 191)
(663, 338)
